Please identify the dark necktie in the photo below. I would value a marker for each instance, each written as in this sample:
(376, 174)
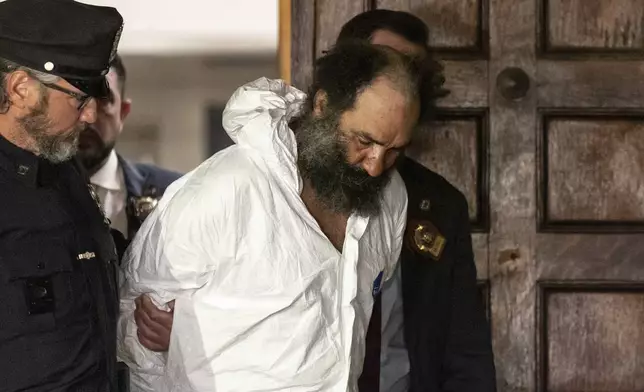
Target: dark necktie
(369, 380)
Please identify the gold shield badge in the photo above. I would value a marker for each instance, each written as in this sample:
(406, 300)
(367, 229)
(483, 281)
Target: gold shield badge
(426, 239)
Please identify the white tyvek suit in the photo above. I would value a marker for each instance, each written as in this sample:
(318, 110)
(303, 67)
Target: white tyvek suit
(264, 302)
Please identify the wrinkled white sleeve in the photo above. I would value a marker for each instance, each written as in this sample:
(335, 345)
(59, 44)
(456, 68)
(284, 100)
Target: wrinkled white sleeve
(399, 208)
(171, 257)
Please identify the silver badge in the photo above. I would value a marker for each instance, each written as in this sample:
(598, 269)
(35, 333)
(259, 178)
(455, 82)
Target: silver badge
(143, 206)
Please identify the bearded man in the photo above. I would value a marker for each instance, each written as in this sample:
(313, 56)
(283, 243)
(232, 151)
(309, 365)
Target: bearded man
(273, 249)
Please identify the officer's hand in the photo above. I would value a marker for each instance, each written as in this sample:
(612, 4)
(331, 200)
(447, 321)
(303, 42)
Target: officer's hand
(154, 325)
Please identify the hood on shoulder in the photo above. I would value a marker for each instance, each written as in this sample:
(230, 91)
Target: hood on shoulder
(257, 117)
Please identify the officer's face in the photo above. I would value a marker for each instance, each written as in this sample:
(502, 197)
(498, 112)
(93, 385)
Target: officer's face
(348, 157)
(51, 118)
(97, 140)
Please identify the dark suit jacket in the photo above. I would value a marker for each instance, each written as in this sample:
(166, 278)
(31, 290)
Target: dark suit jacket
(446, 330)
(140, 180)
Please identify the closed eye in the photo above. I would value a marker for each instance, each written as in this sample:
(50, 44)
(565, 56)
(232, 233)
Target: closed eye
(398, 150)
(365, 141)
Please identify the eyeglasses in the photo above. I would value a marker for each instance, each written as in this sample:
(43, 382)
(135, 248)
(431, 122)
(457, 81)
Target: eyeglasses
(82, 99)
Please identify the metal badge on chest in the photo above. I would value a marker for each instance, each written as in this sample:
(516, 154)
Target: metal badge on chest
(423, 236)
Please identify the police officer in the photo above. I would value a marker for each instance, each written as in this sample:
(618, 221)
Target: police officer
(58, 295)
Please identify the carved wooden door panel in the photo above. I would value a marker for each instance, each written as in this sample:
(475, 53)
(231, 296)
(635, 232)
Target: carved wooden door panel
(544, 134)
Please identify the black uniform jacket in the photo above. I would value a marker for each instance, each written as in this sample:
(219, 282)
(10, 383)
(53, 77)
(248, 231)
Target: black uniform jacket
(446, 331)
(59, 305)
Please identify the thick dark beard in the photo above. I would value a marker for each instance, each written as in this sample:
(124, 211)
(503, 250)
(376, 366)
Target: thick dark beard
(54, 148)
(92, 157)
(322, 160)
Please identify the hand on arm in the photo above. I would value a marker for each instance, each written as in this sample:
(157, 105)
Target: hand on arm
(154, 325)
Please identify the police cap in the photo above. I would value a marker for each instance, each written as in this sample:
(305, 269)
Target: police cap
(73, 40)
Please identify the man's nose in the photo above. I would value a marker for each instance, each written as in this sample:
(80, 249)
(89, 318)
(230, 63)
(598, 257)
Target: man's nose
(89, 112)
(374, 165)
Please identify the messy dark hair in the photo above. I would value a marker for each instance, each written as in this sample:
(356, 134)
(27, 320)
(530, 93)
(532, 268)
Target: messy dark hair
(347, 69)
(364, 25)
(409, 26)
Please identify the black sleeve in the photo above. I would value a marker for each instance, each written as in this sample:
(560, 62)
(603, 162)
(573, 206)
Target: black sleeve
(468, 362)
(120, 242)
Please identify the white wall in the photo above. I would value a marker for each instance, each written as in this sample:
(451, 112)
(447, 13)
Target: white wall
(196, 26)
(183, 56)
(171, 96)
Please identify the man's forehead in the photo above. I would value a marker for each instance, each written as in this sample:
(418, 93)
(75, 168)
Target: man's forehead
(381, 92)
(381, 108)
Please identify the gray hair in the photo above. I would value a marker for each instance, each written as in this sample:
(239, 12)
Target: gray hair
(7, 67)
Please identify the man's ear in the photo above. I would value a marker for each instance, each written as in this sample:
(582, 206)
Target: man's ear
(126, 107)
(320, 102)
(18, 91)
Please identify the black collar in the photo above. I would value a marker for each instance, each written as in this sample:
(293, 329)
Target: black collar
(19, 163)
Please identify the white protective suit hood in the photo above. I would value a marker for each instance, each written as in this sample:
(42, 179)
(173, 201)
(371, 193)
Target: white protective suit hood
(257, 117)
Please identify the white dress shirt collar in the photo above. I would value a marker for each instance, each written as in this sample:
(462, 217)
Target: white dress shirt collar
(108, 176)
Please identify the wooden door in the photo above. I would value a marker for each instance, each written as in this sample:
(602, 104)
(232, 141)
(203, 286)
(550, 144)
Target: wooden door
(544, 134)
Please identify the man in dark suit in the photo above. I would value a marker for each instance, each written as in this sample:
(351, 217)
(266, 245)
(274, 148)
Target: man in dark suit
(428, 331)
(128, 191)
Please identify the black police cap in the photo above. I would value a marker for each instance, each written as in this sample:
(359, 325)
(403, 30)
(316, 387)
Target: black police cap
(73, 40)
